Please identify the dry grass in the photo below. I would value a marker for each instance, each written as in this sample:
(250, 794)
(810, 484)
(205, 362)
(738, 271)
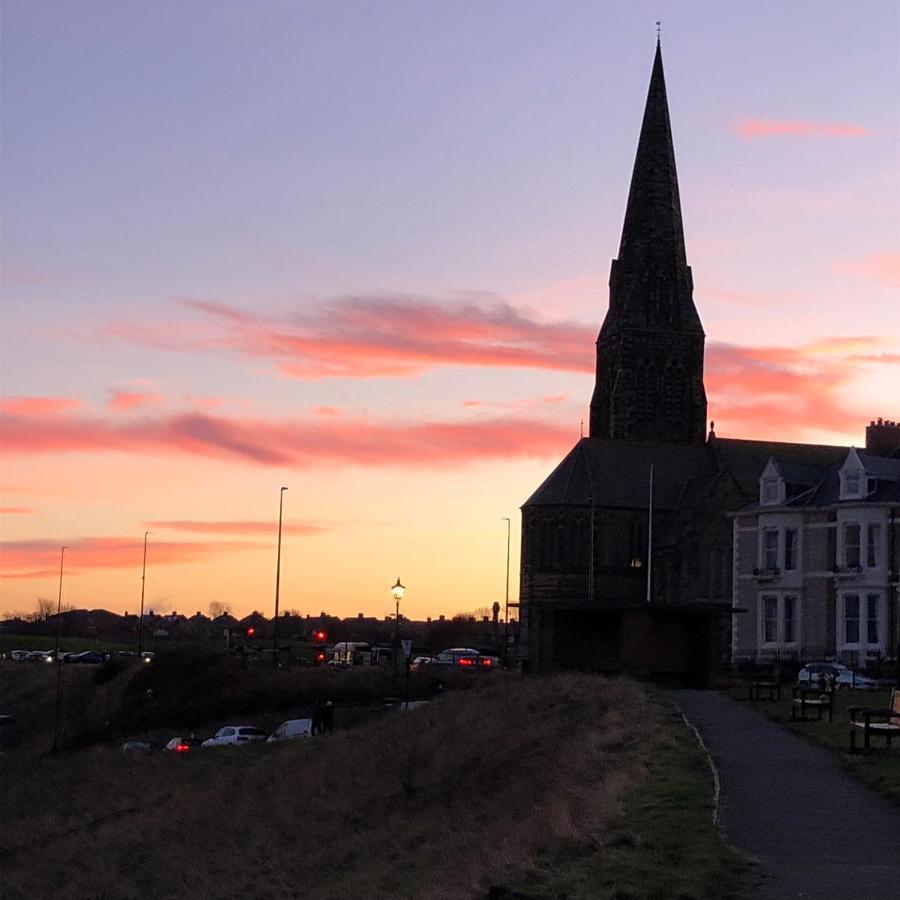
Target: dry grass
(439, 802)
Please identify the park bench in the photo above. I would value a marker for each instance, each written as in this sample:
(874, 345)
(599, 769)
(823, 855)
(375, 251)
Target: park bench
(770, 685)
(805, 700)
(875, 722)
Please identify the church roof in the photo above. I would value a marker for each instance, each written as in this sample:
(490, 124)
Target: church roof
(614, 473)
(747, 459)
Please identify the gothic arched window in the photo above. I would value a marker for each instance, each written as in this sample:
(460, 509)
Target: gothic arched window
(646, 398)
(676, 400)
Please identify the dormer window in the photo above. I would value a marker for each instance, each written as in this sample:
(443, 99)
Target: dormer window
(854, 483)
(771, 485)
(770, 491)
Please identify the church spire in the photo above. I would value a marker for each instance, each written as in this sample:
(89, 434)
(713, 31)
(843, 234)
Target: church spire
(652, 233)
(650, 349)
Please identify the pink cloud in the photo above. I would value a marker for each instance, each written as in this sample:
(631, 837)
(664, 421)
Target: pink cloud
(300, 443)
(515, 404)
(379, 337)
(16, 510)
(239, 527)
(751, 129)
(880, 267)
(123, 401)
(330, 412)
(18, 558)
(38, 406)
(780, 393)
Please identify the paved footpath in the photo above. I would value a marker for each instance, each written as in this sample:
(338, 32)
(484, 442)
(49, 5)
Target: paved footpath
(816, 832)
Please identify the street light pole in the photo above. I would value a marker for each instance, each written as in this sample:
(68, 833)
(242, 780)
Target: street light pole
(397, 590)
(62, 554)
(277, 577)
(143, 585)
(506, 607)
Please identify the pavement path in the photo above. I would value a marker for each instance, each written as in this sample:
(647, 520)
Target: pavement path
(816, 832)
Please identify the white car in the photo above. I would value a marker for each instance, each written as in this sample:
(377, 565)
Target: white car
(291, 730)
(232, 735)
(843, 677)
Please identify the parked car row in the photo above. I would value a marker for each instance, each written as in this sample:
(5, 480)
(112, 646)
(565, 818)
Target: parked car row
(90, 657)
(229, 736)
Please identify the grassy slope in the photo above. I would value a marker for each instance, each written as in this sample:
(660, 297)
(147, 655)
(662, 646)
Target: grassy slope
(878, 770)
(520, 782)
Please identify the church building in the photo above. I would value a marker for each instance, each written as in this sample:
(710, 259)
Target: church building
(606, 583)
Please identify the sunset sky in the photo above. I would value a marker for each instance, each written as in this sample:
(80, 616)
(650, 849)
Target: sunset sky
(361, 249)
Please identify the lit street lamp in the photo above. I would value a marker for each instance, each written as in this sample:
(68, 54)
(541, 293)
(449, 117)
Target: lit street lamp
(62, 554)
(277, 577)
(397, 590)
(143, 585)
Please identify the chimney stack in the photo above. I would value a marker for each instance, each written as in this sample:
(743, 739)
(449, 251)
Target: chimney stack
(883, 437)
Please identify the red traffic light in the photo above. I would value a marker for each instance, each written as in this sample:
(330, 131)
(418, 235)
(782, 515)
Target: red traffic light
(251, 631)
(321, 636)
(320, 658)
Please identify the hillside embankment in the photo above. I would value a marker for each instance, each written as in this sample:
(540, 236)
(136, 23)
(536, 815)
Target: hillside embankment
(571, 786)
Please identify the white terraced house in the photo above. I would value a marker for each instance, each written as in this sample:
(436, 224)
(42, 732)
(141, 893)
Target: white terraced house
(816, 560)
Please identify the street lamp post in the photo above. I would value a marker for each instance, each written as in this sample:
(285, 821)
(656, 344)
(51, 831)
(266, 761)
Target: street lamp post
(277, 577)
(506, 607)
(143, 585)
(62, 554)
(397, 590)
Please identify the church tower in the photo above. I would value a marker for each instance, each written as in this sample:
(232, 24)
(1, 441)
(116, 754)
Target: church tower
(649, 383)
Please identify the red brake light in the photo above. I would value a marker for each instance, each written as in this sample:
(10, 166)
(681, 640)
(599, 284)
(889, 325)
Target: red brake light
(465, 661)
(486, 663)
(182, 748)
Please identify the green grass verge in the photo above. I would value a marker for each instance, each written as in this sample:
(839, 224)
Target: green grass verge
(879, 769)
(664, 846)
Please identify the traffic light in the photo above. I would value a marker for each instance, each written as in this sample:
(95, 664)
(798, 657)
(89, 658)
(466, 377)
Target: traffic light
(319, 659)
(251, 631)
(321, 636)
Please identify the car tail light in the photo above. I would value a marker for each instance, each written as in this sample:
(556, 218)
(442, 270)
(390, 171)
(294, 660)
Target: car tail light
(182, 748)
(486, 663)
(464, 661)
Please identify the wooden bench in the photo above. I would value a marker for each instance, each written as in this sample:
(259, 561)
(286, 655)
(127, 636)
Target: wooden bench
(769, 684)
(806, 699)
(875, 722)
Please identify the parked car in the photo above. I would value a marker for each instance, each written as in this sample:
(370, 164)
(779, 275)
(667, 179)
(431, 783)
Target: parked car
(291, 730)
(465, 658)
(843, 677)
(89, 657)
(183, 744)
(19, 655)
(235, 734)
(136, 747)
(420, 662)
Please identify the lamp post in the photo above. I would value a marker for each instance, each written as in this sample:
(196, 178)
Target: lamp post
(506, 606)
(143, 585)
(397, 590)
(277, 577)
(62, 554)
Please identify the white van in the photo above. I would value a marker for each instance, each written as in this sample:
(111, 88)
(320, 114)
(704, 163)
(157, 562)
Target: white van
(292, 730)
